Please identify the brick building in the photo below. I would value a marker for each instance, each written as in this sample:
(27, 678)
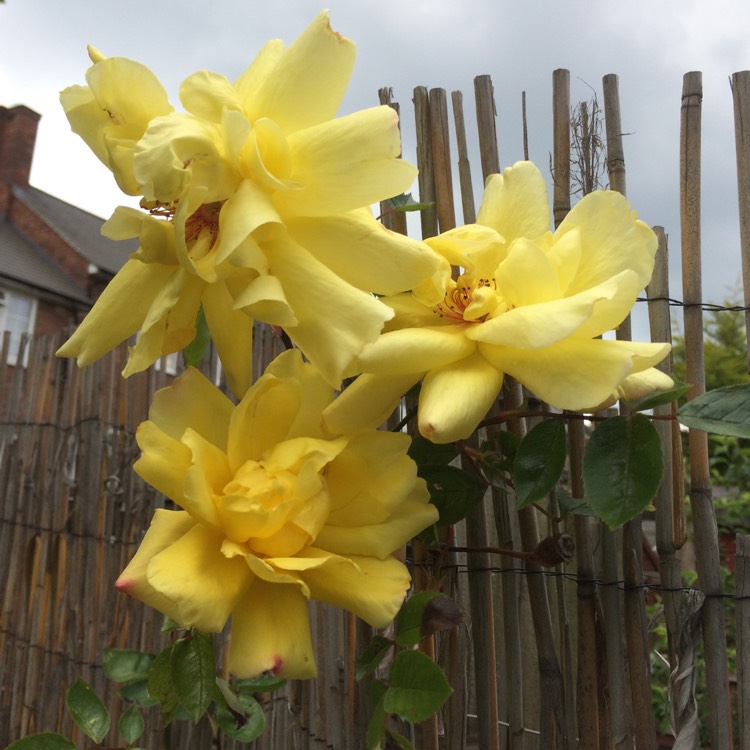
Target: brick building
(54, 261)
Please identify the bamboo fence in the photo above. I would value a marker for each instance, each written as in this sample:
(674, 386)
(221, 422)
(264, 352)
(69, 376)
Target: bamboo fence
(547, 658)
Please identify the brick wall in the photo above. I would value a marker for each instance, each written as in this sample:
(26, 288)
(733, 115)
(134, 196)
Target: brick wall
(18, 127)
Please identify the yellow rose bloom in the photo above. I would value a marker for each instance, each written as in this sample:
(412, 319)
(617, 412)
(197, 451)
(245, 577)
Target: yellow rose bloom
(266, 194)
(528, 302)
(274, 513)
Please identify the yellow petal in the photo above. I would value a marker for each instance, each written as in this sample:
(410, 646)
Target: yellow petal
(611, 240)
(304, 84)
(205, 479)
(119, 312)
(477, 249)
(575, 374)
(372, 589)
(271, 633)
(641, 384)
(192, 401)
(454, 399)
(413, 350)
(411, 312)
(362, 251)
(526, 276)
(346, 163)
(232, 335)
(336, 320)
(164, 462)
(167, 527)
(169, 325)
(207, 95)
(203, 585)
(515, 203)
(263, 298)
(367, 402)
(587, 314)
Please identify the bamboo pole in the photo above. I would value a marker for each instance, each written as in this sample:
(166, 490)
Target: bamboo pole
(740, 83)
(704, 519)
(426, 179)
(441, 159)
(394, 220)
(464, 167)
(524, 126)
(484, 95)
(561, 144)
(615, 151)
(742, 625)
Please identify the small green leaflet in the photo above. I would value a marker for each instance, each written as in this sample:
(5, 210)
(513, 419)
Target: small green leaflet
(405, 202)
(540, 460)
(658, 398)
(87, 711)
(418, 687)
(194, 351)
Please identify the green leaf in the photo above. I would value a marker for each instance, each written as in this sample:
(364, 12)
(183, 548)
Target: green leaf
(622, 468)
(429, 538)
(418, 687)
(263, 683)
(540, 460)
(194, 352)
(138, 693)
(409, 620)
(131, 725)
(725, 411)
(405, 202)
(244, 726)
(371, 657)
(194, 672)
(161, 685)
(658, 398)
(453, 491)
(503, 442)
(170, 626)
(87, 711)
(424, 452)
(121, 665)
(376, 726)
(42, 741)
(570, 505)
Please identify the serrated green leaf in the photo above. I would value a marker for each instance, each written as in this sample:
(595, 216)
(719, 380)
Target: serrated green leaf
(194, 672)
(194, 352)
(244, 726)
(658, 398)
(622, 468)
(161, 685)
(122, 665)
(368, 661)
(429, 538)
(138, 693)
(409, 619)
(453, 491)
(725, 411)
(170, 626)
(418, 687)
(42, 741)
(87, 711)
(131, 725)
(424, 452)
(540, 460)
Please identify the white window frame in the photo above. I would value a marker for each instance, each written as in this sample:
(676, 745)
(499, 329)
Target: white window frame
(6, 297)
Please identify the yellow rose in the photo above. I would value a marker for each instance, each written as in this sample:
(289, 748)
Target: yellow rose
(528, 302)
(274, 513)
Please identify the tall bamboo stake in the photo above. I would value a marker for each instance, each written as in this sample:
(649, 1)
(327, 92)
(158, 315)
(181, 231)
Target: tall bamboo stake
(561, 143)
(740, 83)
(742, 623)
(426, 179)
(464, 167)
(484, 95)
(704, 518)
(441, 159)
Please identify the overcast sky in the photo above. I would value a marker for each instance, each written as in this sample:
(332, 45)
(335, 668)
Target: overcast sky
(433, 43)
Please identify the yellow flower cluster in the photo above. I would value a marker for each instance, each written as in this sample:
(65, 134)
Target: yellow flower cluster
(256, 207)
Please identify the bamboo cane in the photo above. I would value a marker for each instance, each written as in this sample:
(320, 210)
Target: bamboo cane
(425, 163)
(464, 167)
(742, 624)
(740, 83)
(704, 519)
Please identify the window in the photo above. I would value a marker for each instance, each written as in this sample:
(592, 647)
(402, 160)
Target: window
(17, 315)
